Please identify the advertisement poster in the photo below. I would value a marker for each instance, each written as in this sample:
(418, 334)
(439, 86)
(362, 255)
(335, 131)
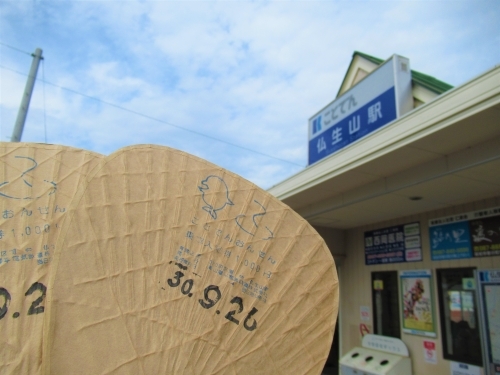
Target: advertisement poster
(396, 244)
(466, 235)
(485, 234)
(418, 311)
(430, 355)
(450, 241)
(464, 369)
(364, 312)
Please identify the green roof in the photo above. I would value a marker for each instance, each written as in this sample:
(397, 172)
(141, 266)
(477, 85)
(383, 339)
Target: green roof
(422, 79)
(375, 60)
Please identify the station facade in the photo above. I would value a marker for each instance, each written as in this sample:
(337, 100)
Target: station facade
(404, 186)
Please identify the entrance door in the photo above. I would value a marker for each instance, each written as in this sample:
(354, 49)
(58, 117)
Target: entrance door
(332, 363)
(385, 300)
(459, 317)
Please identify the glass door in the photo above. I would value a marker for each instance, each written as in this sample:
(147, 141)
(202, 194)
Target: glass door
(458, 315)
(385, 300)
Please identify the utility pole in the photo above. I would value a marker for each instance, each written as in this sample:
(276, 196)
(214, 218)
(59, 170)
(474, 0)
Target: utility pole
(25, 102)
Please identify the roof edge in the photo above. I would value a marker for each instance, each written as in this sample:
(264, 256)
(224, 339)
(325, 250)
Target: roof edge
(422, 79)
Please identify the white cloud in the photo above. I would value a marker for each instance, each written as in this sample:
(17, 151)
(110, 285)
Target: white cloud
(248, 73)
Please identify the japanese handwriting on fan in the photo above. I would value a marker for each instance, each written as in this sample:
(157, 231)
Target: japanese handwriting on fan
(254, 222)
(210, 185)
(26, 180)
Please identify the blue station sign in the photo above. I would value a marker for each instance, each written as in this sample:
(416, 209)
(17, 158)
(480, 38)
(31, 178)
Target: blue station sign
(378, 99)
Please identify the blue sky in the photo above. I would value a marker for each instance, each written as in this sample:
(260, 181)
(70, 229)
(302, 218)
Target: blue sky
(248, 73)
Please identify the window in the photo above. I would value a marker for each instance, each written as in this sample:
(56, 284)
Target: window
(458, 314)
(385, 297)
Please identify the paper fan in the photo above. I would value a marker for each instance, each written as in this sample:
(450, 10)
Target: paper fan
(172, 265)
(37, 184)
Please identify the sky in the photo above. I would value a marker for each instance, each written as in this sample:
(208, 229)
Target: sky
(233, 82)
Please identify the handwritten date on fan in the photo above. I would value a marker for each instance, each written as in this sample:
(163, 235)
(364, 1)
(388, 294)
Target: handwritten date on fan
(212, 295)
(34, 307)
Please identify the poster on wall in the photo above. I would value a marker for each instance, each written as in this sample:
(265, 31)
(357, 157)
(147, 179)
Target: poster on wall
(364, 312)
(400, 243)
(418, 308)
(457, 368)
(467, 235)
(430, 355)
(485, 234)
(450, 241)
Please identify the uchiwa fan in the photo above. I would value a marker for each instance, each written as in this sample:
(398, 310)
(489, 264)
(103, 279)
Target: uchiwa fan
(37, 184)
(169, 264)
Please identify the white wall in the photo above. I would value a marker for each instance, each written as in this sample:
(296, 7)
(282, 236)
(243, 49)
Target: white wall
(355, 282)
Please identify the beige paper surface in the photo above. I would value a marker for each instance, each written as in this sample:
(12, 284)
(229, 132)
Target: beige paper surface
(172, 265)
(37, 183)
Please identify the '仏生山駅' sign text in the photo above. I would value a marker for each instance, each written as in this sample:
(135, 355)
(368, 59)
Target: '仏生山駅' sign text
(378, 99)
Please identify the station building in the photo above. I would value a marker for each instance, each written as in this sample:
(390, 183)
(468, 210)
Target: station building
(403, 184)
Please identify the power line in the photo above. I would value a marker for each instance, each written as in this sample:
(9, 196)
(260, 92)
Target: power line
(157, 119)
(15, 49)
